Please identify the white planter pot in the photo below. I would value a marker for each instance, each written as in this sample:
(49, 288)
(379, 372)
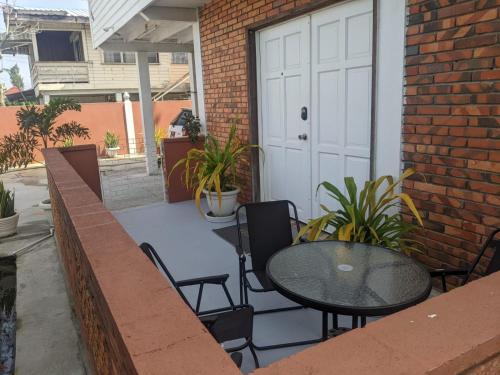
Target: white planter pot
(228, 202)
(8, 225)
(46, 206)
(112, 151)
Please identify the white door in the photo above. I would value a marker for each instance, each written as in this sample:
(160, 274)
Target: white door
(285, 87)
(341, 95)
(321, 62)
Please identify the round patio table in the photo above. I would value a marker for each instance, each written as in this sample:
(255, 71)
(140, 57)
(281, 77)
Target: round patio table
(348, 278)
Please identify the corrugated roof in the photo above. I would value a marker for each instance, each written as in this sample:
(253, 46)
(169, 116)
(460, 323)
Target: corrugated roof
(53, 12)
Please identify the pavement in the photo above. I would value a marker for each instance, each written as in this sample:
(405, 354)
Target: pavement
(125, 183)
(47, 337)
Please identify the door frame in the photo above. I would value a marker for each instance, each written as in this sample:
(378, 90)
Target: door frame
(253, 79)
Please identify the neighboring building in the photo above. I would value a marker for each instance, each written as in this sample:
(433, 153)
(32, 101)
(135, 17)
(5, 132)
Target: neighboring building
(64, 63)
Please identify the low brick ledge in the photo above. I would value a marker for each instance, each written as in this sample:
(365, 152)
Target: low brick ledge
(133, 322)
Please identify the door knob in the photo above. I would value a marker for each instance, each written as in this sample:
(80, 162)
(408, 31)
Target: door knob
(303, 137)
(303, 113)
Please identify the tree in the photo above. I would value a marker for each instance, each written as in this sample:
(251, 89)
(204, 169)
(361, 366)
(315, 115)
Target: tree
(16, 151)
(40, 122)
(15, 77)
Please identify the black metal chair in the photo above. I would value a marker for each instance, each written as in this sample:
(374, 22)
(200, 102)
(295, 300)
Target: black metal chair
(269, 230)
(465, 273)
(231, 323)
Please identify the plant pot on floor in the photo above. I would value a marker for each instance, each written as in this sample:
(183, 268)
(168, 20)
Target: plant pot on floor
(225, 211)
(8, 225)
(46, 206)
(112, 151)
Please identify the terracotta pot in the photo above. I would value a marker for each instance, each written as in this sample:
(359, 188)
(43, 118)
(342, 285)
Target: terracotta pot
(175, 149)
(8, 225)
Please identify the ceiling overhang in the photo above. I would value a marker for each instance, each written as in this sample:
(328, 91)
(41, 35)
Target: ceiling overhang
(164, 26)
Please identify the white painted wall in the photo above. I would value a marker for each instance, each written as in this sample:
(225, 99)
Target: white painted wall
(389, 105)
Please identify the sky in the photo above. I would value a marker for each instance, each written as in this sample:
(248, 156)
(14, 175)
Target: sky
(8, 60)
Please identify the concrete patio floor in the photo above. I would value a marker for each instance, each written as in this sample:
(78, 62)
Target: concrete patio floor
(189, 248)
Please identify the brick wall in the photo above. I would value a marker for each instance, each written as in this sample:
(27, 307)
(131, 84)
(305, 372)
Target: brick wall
(132, 321)
(223, 31)
(451, 130)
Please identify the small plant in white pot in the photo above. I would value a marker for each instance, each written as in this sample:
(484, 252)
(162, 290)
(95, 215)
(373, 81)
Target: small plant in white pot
(111, 141)
(213, 172)
(8, 215)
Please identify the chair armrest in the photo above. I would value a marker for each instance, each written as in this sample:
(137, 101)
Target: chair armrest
(216, 279)
(439, 272)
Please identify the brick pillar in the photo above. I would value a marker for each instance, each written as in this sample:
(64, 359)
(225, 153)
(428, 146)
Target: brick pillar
(451, 130)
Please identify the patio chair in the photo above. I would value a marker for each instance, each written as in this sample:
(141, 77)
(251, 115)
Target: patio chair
(199, 281)
(269, 230)
(225, 324)
(465, 273)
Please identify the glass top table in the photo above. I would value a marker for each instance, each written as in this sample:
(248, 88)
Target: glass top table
(348, 278)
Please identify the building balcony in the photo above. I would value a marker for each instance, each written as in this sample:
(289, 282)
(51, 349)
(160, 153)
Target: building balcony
(60, 72)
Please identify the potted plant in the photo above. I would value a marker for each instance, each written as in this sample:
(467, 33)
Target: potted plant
(369, 217)
(111, 141)
(213, 172)
(191, 127)
(8, 215)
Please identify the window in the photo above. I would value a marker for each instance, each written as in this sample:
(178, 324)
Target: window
(127, 57)
(179, 58)
(60, 46)
(153, 58)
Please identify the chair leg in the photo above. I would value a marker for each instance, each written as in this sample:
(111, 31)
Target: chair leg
(198, 302)
(254, 355)
(324, 326)
(335, 321)
(241, 284)
(231, 303)
(245, 291)
(354, 321)
(363, 321)
(443, 283)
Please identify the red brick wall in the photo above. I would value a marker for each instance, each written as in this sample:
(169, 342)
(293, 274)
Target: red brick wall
(223, 30)
(131, 320)
(451, 130)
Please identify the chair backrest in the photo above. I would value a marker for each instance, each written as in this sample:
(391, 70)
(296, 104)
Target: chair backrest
(153, 256)
(269, 229)
(235, 325)
(494, 264)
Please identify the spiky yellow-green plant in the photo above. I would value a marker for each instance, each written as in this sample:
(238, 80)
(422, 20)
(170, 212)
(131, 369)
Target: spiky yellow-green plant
(214, 168)
(367, 216)
(6, 202)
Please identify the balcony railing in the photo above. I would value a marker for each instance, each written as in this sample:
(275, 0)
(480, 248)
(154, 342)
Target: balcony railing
(60, 72)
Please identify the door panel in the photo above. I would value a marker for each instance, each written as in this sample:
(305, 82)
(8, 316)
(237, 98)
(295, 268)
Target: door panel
(341, 43)
(285, 88)
(321, 62)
